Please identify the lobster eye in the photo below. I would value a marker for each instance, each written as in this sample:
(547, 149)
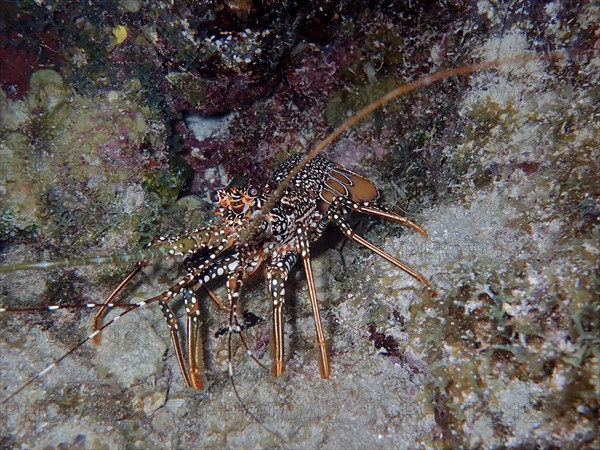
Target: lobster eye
(214, 196)
(253, 191)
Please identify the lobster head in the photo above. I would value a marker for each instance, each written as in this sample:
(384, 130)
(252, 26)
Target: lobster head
(237, 202)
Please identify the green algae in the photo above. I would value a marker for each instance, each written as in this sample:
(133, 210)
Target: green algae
(194, 87)
(46, 90)
(166, 184)
(344, 103)
(508, 331)
(70, 144)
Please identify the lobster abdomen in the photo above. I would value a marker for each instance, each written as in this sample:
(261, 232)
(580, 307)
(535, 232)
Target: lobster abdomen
(321, 181)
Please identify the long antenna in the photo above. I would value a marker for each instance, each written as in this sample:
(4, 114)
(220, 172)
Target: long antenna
(146, 254)
(248, 233)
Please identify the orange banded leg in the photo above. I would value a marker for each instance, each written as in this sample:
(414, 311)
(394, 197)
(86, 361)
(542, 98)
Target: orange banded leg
(336, 215)
(196, 276)
(174, 329)
(104, 308)
(226, 266)
(180, 288)
(194, 378)
(194, 340)
(234, 291)
(304, 249)
(202, 274)
(277, 274)
(375, 209)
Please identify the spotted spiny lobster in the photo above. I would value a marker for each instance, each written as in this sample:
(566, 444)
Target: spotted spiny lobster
(321, 193)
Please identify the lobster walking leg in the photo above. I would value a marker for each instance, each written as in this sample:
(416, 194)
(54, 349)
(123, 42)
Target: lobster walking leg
(377, 210)
(227, 309)
(102, 311)
(199, 273)
(202, 273)
(216, 300)
(337, 213)
(174, 329)
(277, 274)
(234, 290)
(194, 340)
(206, 238)
(304, 249)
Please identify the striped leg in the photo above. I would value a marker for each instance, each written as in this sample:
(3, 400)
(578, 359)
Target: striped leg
(337, 213)
(304, 250)
(374, 209)
(194, 344)
(277, 274)
(226, 266)
(198, 274)
(192, 307)
(234, 291)
(174, 329)
(194, 340)
(109, 300)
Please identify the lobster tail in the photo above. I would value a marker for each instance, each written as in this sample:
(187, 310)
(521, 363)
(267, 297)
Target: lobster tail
(345, 183)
